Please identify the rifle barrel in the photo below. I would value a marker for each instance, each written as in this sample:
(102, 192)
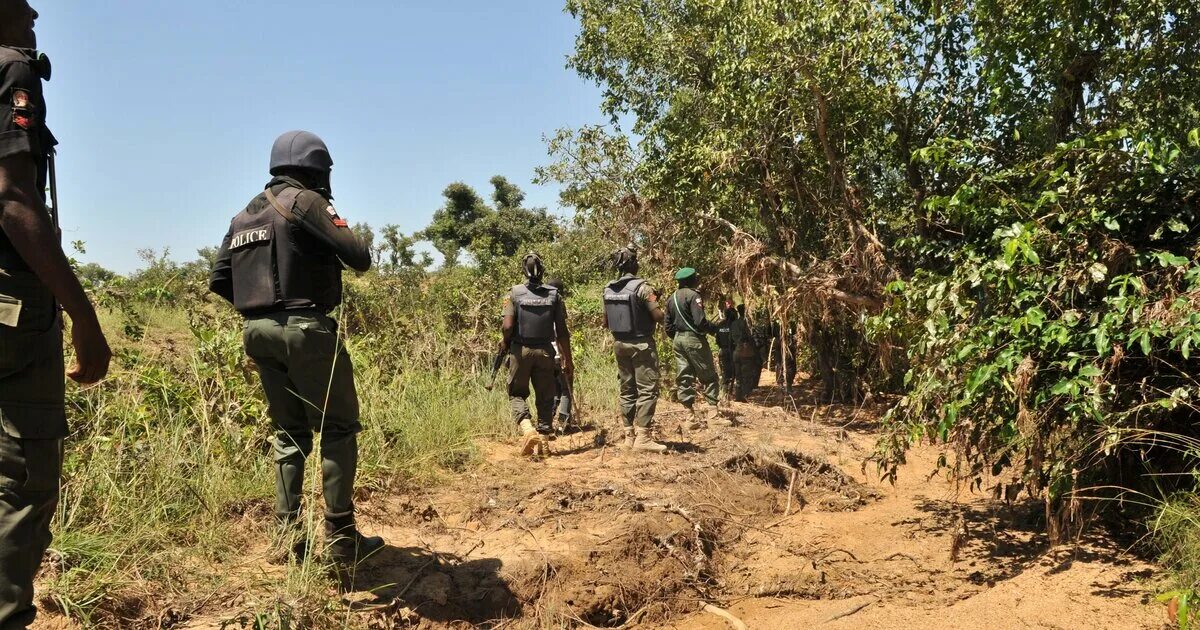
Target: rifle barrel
(54, 196)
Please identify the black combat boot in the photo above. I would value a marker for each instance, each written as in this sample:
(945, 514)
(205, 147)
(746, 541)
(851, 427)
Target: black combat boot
(347, 546)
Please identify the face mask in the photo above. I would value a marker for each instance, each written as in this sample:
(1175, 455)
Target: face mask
(322, 182)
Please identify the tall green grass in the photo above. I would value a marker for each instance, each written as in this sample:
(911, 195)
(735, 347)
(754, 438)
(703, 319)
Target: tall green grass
(168, 484)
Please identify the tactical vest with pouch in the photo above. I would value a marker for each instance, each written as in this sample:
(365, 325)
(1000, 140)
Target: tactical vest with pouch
(536, 309)
(629, 318)
(277, 265)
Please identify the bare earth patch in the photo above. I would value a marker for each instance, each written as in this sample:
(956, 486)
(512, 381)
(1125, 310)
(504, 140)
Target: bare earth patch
(775, 521)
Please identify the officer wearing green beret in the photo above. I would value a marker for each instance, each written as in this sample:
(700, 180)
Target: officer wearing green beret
(689, 327)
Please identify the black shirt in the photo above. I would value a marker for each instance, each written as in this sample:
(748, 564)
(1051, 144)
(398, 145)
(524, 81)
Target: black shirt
(685, 313)
(319, 221)
(22, 127)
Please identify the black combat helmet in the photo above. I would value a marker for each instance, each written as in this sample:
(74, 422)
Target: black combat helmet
(300, 149)
(626, 259)
(533, 267)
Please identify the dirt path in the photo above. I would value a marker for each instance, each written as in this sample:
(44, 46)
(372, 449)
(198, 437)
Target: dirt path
(598, 536)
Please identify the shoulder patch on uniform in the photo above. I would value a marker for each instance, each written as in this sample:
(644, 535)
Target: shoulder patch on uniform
(20, 99)
(333, 214)
(22, 108)
(699, 302)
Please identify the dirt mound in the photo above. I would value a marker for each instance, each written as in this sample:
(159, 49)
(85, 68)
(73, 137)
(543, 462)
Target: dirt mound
(772, 521)
(808, 480)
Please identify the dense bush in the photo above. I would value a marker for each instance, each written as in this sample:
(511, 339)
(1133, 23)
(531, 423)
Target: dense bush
(1064, 319)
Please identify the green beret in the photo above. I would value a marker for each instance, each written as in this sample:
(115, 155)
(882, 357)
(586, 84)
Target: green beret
(685, 273)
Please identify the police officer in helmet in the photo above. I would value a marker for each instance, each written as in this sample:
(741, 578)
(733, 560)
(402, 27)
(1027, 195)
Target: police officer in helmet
(34, 275)
(535, 320)
(632, 314)
(280, 265)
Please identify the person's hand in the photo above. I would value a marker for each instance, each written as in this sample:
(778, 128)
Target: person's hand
(568, 368)
(92, 353)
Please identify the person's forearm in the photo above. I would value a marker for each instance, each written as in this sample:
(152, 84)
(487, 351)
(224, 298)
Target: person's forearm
(564, 346)
(348, 247)
(31, 233)
(507, 328)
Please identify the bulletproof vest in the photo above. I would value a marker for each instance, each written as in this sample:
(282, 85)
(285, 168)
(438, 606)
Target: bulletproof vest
(278, 265)
(535, 308)
(628, 317)
(725, 335)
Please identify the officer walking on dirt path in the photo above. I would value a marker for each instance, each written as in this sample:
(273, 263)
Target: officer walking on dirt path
(746, 355)
(564, 400)
(535, 319)
(725, 352)
(280, 265)
(689, 327)
(632, 314)
(35, 278)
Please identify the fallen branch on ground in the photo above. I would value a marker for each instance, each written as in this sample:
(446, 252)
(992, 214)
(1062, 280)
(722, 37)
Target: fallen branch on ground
(738, 624)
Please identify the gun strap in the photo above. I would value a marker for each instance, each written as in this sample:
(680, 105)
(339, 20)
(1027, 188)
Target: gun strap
(290, 197)
(679, 312)
(52, 173)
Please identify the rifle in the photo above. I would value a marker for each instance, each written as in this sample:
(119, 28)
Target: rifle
(54, 196)
(496, 363)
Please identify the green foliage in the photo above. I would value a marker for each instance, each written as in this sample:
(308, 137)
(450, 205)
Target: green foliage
(1177, 535)
(487, 233)
(1065, 315)
(168, 478)
(1002, 192)
(397, 253)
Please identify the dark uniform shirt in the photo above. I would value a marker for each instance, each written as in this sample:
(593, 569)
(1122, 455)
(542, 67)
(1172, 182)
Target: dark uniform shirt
(725, 334)
(741, 333)
(685, 313)
(22, 127)
(319, 220)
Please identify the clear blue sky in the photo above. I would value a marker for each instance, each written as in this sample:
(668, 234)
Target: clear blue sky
(166, 110)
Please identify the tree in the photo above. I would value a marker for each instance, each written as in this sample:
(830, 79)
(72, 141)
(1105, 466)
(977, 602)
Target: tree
(467, 222)
(400, 251)
(450, 230)
(1003, 192)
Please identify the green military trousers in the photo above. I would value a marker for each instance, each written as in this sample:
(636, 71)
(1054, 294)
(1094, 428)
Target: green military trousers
(694, 364)
(309, 382)
(536, 365)
(32, 426)
(637, 372)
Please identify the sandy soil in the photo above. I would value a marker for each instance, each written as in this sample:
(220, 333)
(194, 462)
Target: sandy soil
(776, 521)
